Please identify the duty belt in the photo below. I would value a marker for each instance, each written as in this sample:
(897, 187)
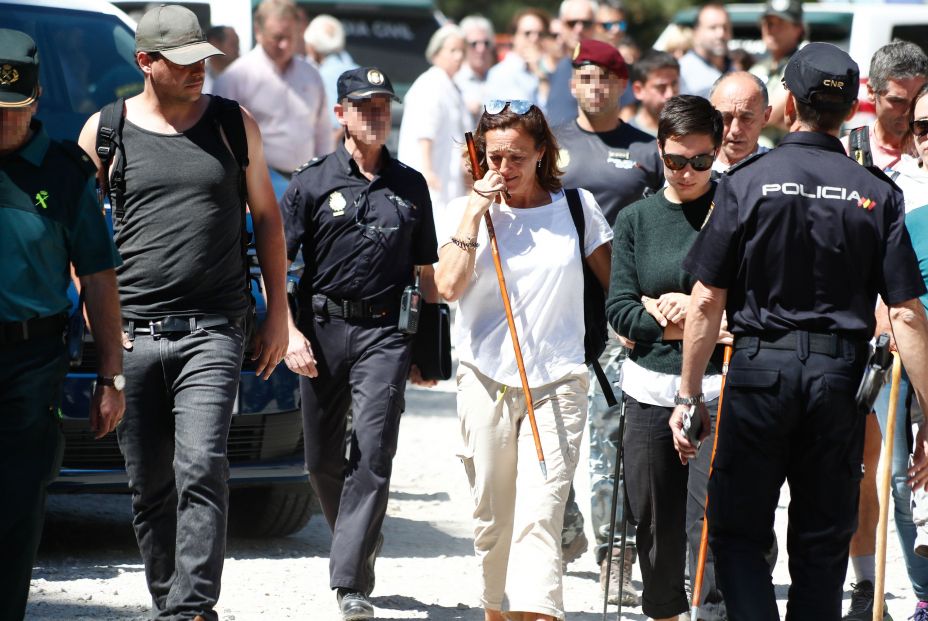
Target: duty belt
(12, 332)
(176, 325)
(800, 341)
(358, 309)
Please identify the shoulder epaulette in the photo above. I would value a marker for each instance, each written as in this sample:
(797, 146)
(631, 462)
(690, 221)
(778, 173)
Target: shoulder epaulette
(77, 155)
(746, 161)
(313, 162)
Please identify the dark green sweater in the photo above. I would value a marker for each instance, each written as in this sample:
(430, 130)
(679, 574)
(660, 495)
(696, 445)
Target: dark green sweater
(652, 236)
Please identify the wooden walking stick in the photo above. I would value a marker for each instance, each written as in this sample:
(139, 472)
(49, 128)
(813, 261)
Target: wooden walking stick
(504, 292)
(704, 538)
(885, 474)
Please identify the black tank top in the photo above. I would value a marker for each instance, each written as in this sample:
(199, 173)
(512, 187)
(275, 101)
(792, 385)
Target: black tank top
(181, 239)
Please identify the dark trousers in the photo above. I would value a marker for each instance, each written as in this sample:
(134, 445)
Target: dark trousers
(180, 391)
(362, 371)
(31, 375)
(655, 486)
(787, 415)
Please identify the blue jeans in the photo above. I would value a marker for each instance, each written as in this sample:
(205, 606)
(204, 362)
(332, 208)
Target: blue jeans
(180, 391)
(916, 566)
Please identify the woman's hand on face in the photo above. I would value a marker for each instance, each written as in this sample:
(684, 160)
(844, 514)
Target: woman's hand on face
(650, 305)
(486, 190)
(673, 307)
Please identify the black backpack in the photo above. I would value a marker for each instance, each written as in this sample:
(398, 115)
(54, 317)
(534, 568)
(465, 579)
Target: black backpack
(594, 298)
(226, 116)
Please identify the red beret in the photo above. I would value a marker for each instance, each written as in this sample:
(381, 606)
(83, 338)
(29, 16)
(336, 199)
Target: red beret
(592, 52)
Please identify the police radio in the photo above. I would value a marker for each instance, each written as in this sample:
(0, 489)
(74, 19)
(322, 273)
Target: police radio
(859, 146)
(410, 304)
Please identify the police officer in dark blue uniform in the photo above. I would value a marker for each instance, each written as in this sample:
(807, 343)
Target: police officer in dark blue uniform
(364, 223)
(50, 219)
(800, 242)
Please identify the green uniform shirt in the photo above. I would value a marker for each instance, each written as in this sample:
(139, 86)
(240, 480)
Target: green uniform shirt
(49, 218)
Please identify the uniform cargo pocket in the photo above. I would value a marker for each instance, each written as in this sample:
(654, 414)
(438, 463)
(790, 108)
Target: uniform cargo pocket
(752, 378)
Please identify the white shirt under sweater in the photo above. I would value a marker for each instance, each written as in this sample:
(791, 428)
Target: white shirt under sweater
(543, 270)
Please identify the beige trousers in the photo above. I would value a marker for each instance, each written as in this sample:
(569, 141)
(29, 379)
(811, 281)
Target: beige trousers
(518, 513)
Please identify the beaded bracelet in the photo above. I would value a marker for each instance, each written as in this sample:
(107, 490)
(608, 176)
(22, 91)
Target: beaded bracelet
(464, 245)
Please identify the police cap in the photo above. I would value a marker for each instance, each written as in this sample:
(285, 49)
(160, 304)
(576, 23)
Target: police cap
(790, 10)
(822, 68)
(592, 52)
(19, 69)
(174, 32)
(363, 83)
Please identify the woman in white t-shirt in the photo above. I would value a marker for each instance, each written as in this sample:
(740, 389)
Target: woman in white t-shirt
(519, 512)
(435, 118)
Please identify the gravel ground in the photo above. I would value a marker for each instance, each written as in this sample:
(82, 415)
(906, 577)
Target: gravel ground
(89, 568)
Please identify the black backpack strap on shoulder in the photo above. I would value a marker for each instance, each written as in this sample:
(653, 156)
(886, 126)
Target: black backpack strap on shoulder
(608, 393)
(596, 332)
(109, 149)
(576, 213)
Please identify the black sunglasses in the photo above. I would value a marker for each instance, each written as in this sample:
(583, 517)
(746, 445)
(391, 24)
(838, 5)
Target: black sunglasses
(701, 162)
(572, 23)
(476, 44)
(919, 127)
(519, 106)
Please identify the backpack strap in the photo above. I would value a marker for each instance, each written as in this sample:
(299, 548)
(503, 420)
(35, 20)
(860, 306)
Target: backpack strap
(576, 214)
(109, 147)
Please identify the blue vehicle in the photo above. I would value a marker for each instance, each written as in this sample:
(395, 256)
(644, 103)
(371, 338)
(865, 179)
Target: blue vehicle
(270, 491)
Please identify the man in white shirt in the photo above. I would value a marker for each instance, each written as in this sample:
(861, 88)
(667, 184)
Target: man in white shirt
(285, 94)
(479, 57)
(741, 97)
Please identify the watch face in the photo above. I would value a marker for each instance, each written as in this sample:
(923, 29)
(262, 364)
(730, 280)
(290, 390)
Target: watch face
(119, 382)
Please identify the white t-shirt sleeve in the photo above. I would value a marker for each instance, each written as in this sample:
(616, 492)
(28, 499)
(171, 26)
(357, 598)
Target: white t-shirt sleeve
(597, 229)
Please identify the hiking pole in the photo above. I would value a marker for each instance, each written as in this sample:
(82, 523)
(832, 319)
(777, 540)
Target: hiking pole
(884, 477)
(504, 292)
(704, 538)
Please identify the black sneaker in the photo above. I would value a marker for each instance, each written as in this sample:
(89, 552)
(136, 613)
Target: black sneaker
(862, 603)
(354, 606)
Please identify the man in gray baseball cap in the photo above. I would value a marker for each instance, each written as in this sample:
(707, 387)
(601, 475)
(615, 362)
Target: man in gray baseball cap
(182, 283)
(782, 32)
(174, 32)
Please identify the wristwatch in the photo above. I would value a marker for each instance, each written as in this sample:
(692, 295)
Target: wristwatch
(118, 381)
(695, 399)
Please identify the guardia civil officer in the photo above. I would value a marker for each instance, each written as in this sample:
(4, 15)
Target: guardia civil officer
(799, 244)
(364, 222)
(49, 219)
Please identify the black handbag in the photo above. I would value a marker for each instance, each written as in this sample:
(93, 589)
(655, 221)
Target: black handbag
(431, 349)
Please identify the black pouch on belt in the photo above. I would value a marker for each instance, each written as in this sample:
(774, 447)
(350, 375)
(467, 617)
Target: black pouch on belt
(320, 307)
(875, 374)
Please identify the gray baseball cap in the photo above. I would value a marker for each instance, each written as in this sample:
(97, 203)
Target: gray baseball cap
(174, 32)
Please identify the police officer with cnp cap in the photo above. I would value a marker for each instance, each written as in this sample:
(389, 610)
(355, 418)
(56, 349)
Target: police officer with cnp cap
(50, 219)
(364, 223)
(799, 244)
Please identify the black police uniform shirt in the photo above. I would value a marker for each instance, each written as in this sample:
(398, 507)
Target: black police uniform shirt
(49, 218)
(803, 238)
(616, 166)
(360, 238)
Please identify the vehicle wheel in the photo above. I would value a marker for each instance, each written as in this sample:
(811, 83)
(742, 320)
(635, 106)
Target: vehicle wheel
(270, 511)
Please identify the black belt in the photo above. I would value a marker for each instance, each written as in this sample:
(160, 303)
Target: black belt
(358, 309)
(176, 325)
(833, 345)
(12, 332)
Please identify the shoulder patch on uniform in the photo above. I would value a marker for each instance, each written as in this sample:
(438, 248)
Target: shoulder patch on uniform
(77, 155)
(745, 162)
(313, 162)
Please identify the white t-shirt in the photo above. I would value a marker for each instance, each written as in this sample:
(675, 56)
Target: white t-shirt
(913, 181)
(434, 109)
(544, 275)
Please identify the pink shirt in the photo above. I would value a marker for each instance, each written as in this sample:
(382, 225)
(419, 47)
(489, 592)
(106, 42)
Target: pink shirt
(290, 107)
(884, 156)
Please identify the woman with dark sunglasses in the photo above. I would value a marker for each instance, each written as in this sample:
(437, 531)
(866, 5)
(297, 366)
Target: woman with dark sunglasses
(911, 173)
(519, 512)
(648, 298)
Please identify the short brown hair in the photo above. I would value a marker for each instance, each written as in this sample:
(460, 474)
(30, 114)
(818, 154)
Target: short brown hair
(532, 123)
(541, 14)
(275, 8)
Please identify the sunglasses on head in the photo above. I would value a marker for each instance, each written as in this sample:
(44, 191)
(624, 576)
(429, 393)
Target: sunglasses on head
(572, 23)
(701, 162)
(619, 25)
(519, 106)
(919, 127)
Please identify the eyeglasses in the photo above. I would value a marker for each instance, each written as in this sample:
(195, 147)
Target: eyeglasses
(620, 25)
(701, 162)
(919, 127)
(519, 106)
(572, 23)
(476, 44)
(540, 34)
